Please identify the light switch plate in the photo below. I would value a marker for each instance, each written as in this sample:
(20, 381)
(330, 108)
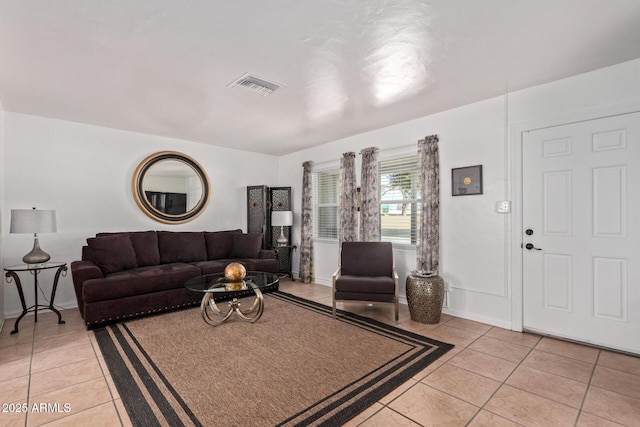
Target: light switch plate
(503, 206)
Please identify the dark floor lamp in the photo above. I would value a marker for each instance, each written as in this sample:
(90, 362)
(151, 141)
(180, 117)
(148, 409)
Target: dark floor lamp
(34, 221)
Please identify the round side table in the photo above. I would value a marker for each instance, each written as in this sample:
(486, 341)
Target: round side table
(12, 275)
(425, 296)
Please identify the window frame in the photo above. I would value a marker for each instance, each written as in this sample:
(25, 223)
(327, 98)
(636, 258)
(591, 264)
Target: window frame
(334, 166)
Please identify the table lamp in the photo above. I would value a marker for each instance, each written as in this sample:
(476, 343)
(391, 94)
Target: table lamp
(282, 219)
(33, 221)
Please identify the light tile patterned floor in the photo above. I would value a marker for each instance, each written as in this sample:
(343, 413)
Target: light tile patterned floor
(493, 377)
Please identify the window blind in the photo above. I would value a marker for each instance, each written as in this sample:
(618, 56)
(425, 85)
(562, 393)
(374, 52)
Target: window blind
(399, 200)
(325, 204)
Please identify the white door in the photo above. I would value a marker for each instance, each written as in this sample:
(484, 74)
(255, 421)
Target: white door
(581, 231)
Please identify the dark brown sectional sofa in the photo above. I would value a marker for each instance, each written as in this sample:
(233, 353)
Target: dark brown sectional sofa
(131, 274)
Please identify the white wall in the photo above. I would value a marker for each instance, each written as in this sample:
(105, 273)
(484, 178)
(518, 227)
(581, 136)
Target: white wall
(85, 173)
(467, 223)
(2, 163)
(477, 255)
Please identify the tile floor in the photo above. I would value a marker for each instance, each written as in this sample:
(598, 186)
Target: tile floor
(493, 377)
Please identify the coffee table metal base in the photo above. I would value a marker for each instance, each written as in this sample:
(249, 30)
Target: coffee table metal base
(214, 316)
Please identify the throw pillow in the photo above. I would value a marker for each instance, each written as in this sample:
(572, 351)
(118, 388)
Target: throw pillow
(219, 243)
(181, 246)
(145, 243)
(113, 253)
(246, 246)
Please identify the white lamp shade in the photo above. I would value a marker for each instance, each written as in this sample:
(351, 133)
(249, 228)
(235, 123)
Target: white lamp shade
(281, 218)
(32, 221)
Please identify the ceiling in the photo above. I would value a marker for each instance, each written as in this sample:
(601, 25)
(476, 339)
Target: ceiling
(163, 67)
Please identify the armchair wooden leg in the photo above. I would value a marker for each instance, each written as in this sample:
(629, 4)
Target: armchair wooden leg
(334, 308)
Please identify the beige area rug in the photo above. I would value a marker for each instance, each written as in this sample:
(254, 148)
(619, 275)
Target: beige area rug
(294, 366)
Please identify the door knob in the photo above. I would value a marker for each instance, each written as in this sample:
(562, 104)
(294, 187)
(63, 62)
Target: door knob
(530, 246)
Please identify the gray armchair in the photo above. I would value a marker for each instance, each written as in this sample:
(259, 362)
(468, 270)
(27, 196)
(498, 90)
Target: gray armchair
(366, 274)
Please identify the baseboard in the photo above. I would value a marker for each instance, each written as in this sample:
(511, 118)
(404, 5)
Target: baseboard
(323, 281)
(482, 319)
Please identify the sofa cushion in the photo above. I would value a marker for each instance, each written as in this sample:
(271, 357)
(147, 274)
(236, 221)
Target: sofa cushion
(250, 264)
(356, 296)
(268, 265)
(246, 245)
(137, 281)
(185, 246)
(212, 266)
(366, 285)
(113, 253)
(145, 243)
(219, 243)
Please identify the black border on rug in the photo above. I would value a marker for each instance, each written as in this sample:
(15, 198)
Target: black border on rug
(141, 413)
(138, 408)
(376, 393)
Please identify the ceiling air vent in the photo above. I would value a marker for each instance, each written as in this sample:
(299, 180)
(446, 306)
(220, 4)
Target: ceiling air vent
(255, 84)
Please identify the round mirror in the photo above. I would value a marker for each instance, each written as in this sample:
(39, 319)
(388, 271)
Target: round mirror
(171, 187)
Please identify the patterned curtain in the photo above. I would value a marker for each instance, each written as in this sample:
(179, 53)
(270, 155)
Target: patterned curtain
(306, 230)
(370, 190)
(348, 209)
(428, 254)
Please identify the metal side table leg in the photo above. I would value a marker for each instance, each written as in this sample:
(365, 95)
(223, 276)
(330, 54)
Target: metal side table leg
(62, 270)
(10, 275)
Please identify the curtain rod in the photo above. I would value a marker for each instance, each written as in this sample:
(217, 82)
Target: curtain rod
(399, 147)
(336, 162)
(374, 149)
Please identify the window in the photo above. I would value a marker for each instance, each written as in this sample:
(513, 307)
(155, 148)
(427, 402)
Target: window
(399, 200)
(326, 199)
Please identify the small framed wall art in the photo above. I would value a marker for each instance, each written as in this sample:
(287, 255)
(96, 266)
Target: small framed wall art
(466, 181)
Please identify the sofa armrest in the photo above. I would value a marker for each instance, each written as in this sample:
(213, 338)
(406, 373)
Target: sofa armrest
(336, 274)
(81, 271)
(396, 279)
(267, 254)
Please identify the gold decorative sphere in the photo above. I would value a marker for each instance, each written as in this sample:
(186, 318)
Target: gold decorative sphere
(235, 271)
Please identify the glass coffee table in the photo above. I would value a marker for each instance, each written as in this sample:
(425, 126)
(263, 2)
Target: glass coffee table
(213, 285)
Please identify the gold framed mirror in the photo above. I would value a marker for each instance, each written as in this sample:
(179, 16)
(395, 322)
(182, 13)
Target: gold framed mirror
(171, 187)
